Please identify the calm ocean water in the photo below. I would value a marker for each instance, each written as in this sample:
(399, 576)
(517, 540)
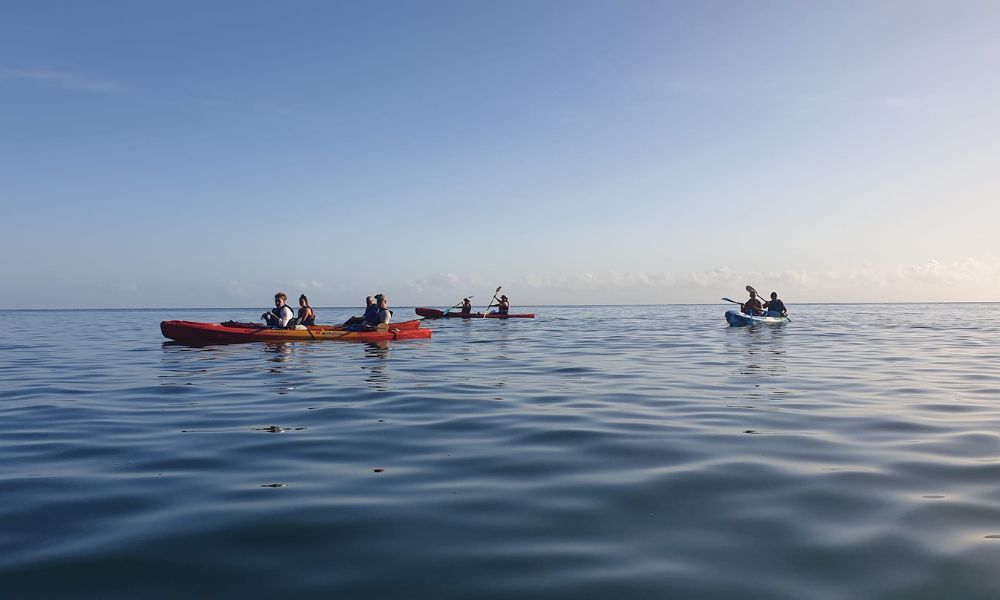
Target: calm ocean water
(594, 452)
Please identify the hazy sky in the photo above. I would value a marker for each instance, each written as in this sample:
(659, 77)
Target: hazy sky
(210, 153)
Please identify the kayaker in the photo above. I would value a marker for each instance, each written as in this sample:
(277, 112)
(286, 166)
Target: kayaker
(466, 306)
(503, 307)
(380, 315)
(281, 314)
(370, 307)
(752, 306)
(775, 307)
(306, 314)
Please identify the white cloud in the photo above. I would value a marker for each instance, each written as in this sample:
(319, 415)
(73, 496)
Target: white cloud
(307, 286)
(967, 279)
(78, 82)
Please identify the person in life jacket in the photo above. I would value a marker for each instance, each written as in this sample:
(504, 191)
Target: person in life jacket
(306, 316)
(281, 314)
(466, 306)
(775, 307)
(752, 306)
(503, 307)
(380, 315)
(370, 307)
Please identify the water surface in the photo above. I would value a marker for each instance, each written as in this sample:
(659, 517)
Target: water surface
(594, 451)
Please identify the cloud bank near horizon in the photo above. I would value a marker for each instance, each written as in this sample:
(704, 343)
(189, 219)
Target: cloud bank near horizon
(970, 279)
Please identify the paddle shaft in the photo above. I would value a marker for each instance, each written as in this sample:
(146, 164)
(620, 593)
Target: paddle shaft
(459, 304)
(485, 312)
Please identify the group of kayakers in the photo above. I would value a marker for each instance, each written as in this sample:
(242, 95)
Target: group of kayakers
(503, 306)
(376, 313)
(770, 308)
(283, 317)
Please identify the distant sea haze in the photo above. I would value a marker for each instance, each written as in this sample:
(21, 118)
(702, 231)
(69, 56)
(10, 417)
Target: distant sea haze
(592, 452)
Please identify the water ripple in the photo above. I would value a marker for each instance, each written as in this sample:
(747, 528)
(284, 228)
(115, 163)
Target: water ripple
(592, 452)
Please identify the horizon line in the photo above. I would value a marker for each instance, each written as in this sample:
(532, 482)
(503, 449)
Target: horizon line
(520, 305)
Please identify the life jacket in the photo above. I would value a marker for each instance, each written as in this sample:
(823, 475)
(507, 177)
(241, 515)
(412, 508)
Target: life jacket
(278, 311)
(376, 317)
(503, 308)
(752, 307)
(371, 316)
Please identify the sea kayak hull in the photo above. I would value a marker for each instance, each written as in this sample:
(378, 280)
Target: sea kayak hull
(738, 319)
(192, 332)
(433, 313)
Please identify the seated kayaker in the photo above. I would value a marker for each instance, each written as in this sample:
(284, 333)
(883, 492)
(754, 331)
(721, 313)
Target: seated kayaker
(281, 314)
(503, 307)
(370, 307)
(466, 306)
(372, 319)
(306, 316)
(752, 306)
(775, 307)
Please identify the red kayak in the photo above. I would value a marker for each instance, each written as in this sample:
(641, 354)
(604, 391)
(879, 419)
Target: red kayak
(191, 332)
(433, 313)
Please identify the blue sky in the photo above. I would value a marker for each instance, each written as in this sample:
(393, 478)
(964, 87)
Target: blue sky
(208, 154)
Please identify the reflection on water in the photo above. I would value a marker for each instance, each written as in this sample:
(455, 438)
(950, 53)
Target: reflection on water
(378, 377)
(281, 353)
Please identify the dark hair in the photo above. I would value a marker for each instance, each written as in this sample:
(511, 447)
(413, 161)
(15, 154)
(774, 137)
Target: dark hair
(774, 295)
(303, 300)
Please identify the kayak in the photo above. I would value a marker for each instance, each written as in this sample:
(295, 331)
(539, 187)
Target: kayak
(738, 319)
(433, 313)
(191, 332)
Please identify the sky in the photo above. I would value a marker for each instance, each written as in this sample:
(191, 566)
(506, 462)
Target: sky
(208, 154)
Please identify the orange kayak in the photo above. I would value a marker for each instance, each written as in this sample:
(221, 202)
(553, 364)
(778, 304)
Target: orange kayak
(191, 332)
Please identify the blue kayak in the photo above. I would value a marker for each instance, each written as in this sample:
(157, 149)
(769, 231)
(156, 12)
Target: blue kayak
(738, 319)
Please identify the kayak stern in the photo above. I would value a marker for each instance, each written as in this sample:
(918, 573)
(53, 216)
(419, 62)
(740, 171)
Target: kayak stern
(738, 319)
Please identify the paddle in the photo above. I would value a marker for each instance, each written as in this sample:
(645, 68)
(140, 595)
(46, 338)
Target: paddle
(784, 313)
(731, 300)
(485, 312)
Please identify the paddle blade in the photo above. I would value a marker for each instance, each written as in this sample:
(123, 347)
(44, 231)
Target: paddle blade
(731, 300)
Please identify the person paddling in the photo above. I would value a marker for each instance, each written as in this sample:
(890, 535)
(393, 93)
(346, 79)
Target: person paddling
(281, 314)
(775, 307)
(306, 314)
(503, 307)
(752, 306)
(466, 306)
